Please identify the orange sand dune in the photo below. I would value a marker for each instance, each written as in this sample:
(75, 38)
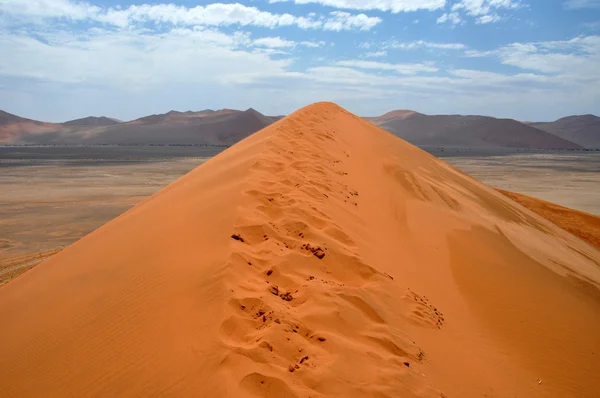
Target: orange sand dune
(584, 225)
(320, 257)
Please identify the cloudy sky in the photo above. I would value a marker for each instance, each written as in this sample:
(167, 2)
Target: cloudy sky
(525, 59)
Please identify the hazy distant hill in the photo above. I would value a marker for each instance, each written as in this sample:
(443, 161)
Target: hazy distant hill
(583, 130)
(467, 131)
(93, 121)
(398, 114)
(222, 127)
(228, 126)
(12, 127)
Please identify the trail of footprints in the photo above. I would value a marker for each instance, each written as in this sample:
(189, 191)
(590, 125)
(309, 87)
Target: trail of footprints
(284, 220)
(423, 312)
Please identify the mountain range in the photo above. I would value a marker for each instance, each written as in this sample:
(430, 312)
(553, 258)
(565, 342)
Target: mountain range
(228, 126)
(208, 127)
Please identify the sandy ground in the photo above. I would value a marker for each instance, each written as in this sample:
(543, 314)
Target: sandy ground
(321, 257)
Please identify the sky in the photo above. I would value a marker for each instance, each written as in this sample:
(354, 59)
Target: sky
(532, 60)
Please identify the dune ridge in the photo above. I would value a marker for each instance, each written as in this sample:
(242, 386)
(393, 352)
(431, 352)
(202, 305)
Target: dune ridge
(319, 257)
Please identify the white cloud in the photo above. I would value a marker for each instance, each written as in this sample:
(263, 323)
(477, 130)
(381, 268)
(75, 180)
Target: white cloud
(484, 7)
(404, 69)
(339, 20)
(136, 59)
(579, 4)
(490, 18)
(313, 44)
(575, 57)
(451, 17)
(216, 14)
(278, 42)
(375, 54)
(411, 45)
(484, 11)
(492, 78)
(273, 42)
(394, 6)
(50, 9)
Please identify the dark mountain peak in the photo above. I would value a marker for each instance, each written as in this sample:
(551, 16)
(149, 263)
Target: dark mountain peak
(252, 110)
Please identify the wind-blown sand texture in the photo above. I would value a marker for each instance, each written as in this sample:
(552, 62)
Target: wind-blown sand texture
(320, 257)
(579, 223)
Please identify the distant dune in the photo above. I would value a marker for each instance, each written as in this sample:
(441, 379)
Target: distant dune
(12, 127)
(93, 121)
(228, 126)
(222, 127)
(319, 257)
(217, 128)
(467, 131)
(399, 114)
(583, 130)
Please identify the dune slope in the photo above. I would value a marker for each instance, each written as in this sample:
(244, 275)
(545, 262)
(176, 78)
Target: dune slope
(580, 129)
(581, 224)
(319, 257)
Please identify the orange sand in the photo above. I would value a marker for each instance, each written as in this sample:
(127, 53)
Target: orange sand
(584, 225)
(320, 257)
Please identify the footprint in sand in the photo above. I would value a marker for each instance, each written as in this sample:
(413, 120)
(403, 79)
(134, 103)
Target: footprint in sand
(422, 312)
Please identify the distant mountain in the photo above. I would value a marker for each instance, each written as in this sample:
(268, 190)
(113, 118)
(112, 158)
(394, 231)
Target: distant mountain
(468, 131)
(399, 114)
(221, 127)
(93, 121)
(8, 118)
(12, 127)
(583, 130)
(228, 126)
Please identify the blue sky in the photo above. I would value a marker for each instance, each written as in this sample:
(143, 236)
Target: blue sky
(524, 59)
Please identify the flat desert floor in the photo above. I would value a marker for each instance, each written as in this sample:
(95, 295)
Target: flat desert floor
(52, 196)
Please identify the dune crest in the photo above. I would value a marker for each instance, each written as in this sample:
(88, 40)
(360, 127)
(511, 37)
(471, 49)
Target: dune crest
(319, 257)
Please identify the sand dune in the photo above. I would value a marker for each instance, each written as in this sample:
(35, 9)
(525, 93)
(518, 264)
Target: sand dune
(581, 129)
(93, 121)
(12, 127)
(389, 116)
(320, 257)
(208, 127)
(468, 131)
(584, 225)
